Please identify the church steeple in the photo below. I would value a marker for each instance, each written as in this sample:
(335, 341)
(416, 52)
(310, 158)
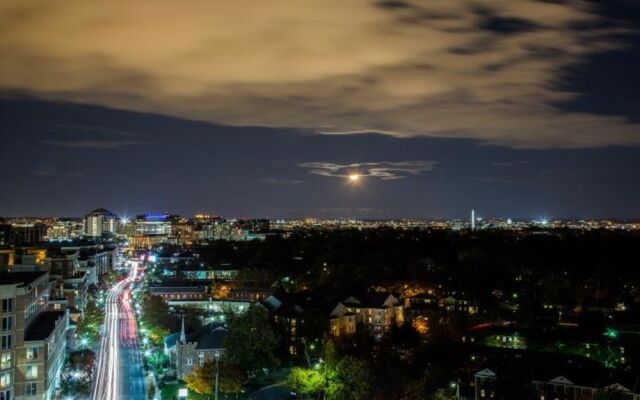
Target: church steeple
(183, 336)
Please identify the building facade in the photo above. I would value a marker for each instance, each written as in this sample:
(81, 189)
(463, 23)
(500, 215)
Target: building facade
(33, 340)
(100, 222)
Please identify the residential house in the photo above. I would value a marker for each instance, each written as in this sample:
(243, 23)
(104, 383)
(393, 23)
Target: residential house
(376, 312)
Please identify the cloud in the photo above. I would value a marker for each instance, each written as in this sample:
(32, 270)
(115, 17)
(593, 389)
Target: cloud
(92, 129)
(281, 181)
(54, 173)
(348, 212)
(508, 164)
(91, 144)
(525, 182)
(486, 70)
(384, 170)
(163, 175)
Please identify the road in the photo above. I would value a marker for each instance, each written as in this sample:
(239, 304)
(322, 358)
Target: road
(119, 371)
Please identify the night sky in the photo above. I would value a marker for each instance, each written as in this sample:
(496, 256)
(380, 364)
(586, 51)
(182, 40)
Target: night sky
(517, 108)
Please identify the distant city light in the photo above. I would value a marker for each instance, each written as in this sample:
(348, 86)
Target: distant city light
(612, 333)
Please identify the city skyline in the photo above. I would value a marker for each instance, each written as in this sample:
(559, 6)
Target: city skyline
(522, 110)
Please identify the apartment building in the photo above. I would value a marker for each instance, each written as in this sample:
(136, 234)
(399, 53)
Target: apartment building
(32, 339)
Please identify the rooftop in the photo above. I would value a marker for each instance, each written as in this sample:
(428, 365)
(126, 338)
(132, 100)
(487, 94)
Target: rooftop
(44, 324)
(21, 278)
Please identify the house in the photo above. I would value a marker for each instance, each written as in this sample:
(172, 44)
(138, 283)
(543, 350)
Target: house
(224, 272)
(342, 321)
(424, 306)
(180, 290)
(554, 377)
(376, 312)
(249, 294)
(299, 318)
(455, 301)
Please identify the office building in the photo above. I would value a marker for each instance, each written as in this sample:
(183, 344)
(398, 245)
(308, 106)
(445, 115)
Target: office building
(100, 222)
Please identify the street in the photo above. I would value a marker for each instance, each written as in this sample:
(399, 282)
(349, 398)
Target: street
(119, 371)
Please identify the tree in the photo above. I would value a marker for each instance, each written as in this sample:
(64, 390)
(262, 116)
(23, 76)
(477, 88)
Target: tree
(251, 342)
(156, 311)
(89, 326)
(351, 380)
(306, 381)
(156, 318)
(151, 391)
(200, 380)
(440, 394)
(232, 378)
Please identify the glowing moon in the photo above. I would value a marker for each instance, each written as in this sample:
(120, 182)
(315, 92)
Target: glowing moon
(354, 177)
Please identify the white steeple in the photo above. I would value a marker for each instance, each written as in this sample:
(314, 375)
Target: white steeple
(183, 336)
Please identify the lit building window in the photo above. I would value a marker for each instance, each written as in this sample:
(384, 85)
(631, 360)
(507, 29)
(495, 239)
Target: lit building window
(5, 360)
(5, 379)
(31, 372)
(32, 353)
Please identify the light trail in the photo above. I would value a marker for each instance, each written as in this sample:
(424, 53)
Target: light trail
(107, 384)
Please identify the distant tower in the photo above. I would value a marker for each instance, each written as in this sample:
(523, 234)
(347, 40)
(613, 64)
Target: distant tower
(183, 336)
(473, 220)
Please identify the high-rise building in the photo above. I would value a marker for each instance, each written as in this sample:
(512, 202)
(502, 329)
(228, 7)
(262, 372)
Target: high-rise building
(100, 222)
(26, 233)
(33, 340)
(151, 230)
(153, 224)
(473, 220)
(66, 229)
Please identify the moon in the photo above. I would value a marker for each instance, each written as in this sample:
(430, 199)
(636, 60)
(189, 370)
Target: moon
(354, 177)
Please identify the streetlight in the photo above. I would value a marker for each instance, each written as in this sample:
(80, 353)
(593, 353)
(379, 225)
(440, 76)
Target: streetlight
(217, 357)
(456, 387)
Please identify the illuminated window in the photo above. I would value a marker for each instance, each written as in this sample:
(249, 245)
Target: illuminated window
(189, 361)
(31, 372)
(32, 353)
(482, 393)
(5, 360)
(5, 379)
